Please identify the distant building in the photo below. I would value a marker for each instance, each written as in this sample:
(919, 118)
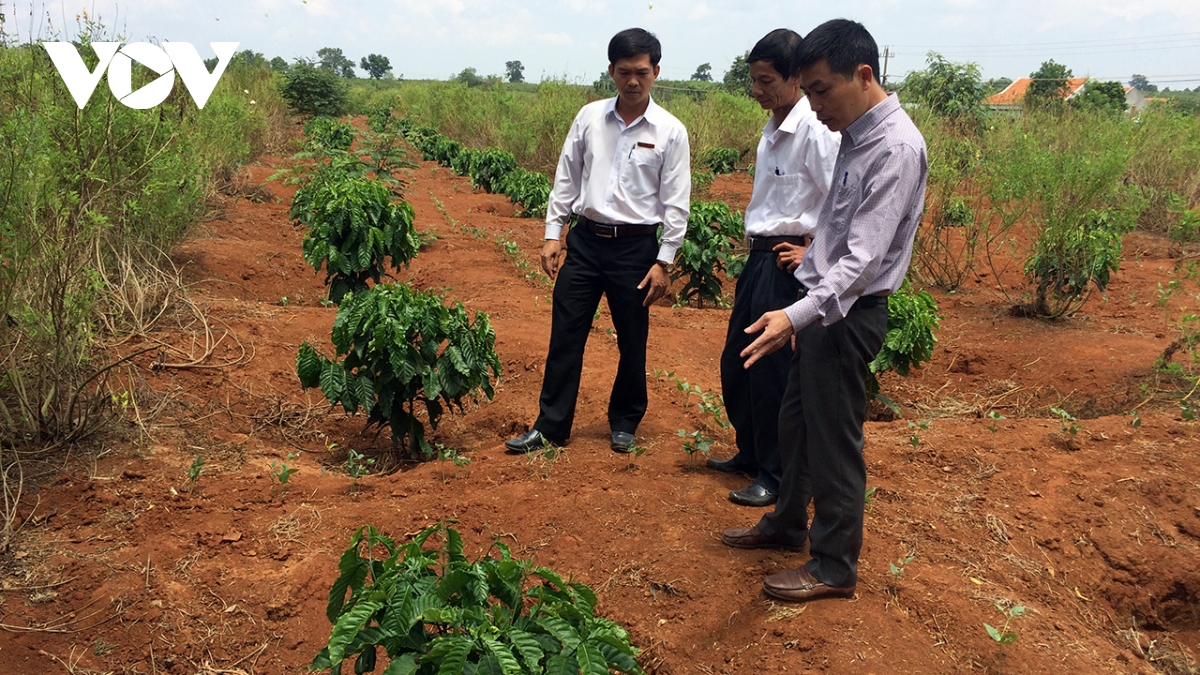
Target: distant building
(1012, 97)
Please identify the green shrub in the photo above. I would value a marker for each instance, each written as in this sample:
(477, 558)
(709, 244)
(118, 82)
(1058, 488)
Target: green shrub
(489, 166)
(909, 341)
(400, 347)
(438, 148)
(312, 90)
(433, 611)
(719, 160)
(1070, 257)
(354, 226)
(325, 134)
(706, 252)
(530, 189)
(461, 164)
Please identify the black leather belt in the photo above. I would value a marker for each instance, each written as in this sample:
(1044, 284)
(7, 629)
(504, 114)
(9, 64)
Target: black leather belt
(769, 243)
(607, 231)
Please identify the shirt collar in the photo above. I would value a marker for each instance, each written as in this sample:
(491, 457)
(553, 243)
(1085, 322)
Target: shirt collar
(861, 127)
(653, 113)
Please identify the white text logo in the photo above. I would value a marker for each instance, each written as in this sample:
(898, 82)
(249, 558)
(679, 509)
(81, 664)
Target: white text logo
(118, 61)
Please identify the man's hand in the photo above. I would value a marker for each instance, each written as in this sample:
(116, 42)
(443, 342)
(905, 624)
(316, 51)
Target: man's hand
(776, 329)
(790, 256)
(552, 257)
(658, 280)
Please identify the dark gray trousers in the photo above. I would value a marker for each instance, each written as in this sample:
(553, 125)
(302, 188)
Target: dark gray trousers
(821, 441)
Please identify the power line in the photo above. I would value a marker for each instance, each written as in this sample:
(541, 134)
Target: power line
(1097, 41)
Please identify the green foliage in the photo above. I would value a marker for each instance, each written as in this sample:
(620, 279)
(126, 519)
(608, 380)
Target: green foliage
(1003, 636)
(719, 160)
(376, 66)
(326, 134)
(529, 189)
(1049, 88)
(604, 84)
(434, 611)
(695, 442)
(281, 473)
(461, 164)
(1142, 84)
(514, 71)
(737, 78)
(311, 90)
(469, 77)
(357, 465)
(909, 341)
(946, 244)
(354, 227)
(194, 472)
(949, 89)
(705, 252)
(489, 166)
(401, 347)
(1073, 255)
(331, 59)
(1101, 97)
(440, 149)
(1067, 424)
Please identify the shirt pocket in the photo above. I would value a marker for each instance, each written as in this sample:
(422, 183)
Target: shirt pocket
(642, 172)
(783, 195)
(845, 202)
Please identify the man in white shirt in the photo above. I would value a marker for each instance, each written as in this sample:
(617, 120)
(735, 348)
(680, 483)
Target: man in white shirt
(624, 171)
(793, 171)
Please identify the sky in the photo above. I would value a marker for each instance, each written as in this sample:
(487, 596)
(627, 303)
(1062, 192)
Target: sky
(1104, 39)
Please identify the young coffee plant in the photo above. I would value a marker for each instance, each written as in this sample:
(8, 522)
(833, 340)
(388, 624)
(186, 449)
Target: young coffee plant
(281, 473)
(451, 455)
(326, 134)
(912, 318)
(489, 167)
(897, 569)
(1073, 256)
(194, 471)
(705, 252)
(719, 160)
(530, 189)
(436, 147)
(695, 443)
(1003, 636)
(433, 611)
(1067, 424)
(993, 427)
(357, 466)
(400, 347)
(354, 228)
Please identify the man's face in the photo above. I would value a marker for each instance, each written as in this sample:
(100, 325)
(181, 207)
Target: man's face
(836, 100)
(770, 89)
(633, 76)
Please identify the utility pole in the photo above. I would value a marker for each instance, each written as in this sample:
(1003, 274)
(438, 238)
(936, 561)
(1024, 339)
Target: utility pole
(887, 52)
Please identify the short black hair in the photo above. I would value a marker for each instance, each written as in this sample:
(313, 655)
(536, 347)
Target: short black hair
(780, 48)
(633, 42)
(843, 44)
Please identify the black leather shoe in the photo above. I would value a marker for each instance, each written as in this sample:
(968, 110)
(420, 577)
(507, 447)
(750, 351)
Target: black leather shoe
(528, 442)
(622, 441)
(731, 465)
(753, 495)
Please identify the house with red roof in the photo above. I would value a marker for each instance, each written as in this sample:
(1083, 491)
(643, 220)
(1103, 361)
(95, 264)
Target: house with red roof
(1013, 96)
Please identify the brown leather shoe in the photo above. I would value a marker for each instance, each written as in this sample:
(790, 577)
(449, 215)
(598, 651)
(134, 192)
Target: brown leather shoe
(799, 585)
(752, 537)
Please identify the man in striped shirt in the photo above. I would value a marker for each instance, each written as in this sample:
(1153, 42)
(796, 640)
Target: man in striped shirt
(866, 229)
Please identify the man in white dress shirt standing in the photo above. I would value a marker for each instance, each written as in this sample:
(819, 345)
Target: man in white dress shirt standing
(624, 172)
(793, 171)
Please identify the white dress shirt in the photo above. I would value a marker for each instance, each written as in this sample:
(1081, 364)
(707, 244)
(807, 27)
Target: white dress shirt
(636, 174)
(792, 174)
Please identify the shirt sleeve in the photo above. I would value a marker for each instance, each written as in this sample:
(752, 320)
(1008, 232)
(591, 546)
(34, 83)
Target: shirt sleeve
(675, 193)
(568, 180)
(887, 192)
(820, 153)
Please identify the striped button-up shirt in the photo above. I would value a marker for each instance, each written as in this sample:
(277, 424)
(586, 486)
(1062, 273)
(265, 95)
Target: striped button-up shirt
(869, 219)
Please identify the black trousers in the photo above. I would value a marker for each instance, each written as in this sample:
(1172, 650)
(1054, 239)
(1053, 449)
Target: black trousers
(753, 397)
(821, 441)
(598, 266)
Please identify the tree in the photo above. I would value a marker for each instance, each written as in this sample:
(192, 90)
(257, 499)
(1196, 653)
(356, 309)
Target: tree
(1049, 87)
(514, 71)
(703, 73)
(997, 85)
(1143, 85)
(312, 90)
(250, 58)
(278, 64)
(332, 59)
(949, 89)
(737, 78)
(469, 77)
(1101, 97)
(604, 84)
(376, 66)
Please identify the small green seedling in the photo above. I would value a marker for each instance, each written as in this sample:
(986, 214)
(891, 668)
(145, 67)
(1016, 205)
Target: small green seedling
(696, 442)
(917, 427)
(634, 452)
(1187, 412)
(281, 473)
(1003, 636)
(357, 466)
(1066, 422)
(1137, 419)
(451, 454)
(995, 417)
(897, 570)
(194, 471)
(284, 302)
(867, 497)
